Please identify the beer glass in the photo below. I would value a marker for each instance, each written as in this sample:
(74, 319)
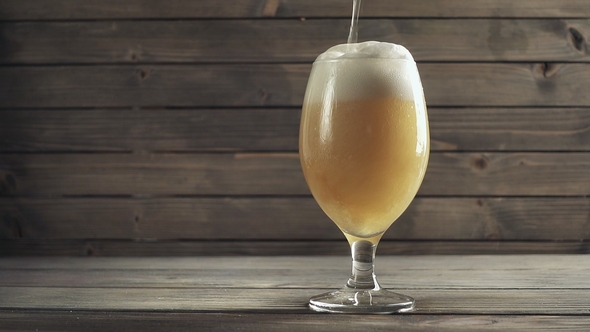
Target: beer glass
(364, 147)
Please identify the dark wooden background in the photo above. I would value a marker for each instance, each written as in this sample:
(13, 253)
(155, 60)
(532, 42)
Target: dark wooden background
(152, 127)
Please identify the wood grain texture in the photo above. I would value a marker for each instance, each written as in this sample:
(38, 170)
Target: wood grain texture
(448, 174)
(289, 40)
(453, 293)
(155, 248)
(141, 321)
(132, 128)
(295, 218)
(553, 263)
(509, 129)
(97, 9)
(450, 84)
(153, 130)
(208, 174)
(389, 273)
(430, 301)
(194, 85)
(451, 129)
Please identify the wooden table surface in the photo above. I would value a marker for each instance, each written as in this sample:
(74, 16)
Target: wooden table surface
(453, 293)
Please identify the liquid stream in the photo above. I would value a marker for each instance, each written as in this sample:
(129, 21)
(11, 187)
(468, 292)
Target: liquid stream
(353, 34)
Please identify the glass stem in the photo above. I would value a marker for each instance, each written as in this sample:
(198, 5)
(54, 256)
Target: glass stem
(363, 264)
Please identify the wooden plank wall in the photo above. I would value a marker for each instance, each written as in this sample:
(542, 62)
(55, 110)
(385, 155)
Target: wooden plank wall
(152, 127)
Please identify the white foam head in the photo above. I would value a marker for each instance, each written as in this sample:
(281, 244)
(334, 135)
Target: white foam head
(366, 50)
(364, 71)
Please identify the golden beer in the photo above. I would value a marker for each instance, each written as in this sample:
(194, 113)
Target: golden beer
(364, 150)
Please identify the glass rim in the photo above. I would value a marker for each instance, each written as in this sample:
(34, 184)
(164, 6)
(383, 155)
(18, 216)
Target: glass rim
(363, 59)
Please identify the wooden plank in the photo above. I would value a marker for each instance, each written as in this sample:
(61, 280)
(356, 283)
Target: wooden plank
(289, 40)
(141, 321)
(153, 247)
(295, 218)
(152, 174)
(151, 130)
(547, 263)
(108, 9)
(509, 129)
(499, 84)
(194, 85)
(448, 174)
(292, 279)
(445, 84)
(435, 301)
(301, 277)
(523, 174)
(475, 129)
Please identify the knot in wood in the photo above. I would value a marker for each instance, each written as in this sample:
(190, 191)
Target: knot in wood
(90, 250)
(144, 74)
(576, 38)
(264, 95)
(479, 163)
(547, 69)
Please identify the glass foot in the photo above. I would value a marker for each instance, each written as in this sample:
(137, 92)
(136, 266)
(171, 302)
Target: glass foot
(362, 301)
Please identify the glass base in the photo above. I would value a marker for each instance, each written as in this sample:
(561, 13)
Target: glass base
(362, 301)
